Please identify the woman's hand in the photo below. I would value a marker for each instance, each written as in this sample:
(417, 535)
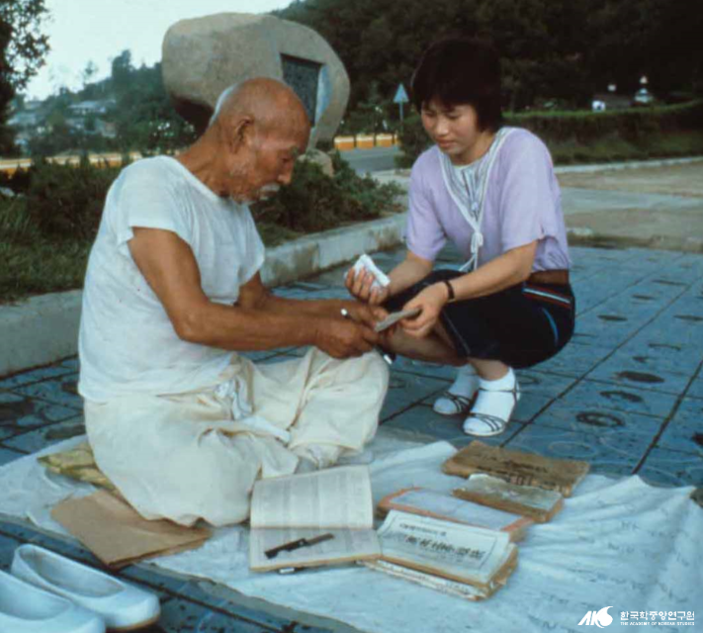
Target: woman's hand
(430, 301)
(359, 286)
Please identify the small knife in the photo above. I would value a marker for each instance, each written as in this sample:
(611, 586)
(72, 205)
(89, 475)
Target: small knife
(301, 542)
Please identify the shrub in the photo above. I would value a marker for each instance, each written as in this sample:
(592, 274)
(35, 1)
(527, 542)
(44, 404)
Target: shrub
(631, 131)
(47, 231)
(16, 225)
(317, 202)
(66, 201)
(413, 141)
(632, 125)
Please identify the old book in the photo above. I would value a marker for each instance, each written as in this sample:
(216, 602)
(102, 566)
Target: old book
(450, 587)
(460, 559)
(537, 503)
(335, 502)
(443, 506)
(517, 467)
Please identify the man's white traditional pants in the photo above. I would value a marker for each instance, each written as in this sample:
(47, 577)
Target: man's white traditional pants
(197, 454)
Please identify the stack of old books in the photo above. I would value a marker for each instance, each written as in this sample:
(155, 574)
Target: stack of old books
(480, 522)
(462, 543)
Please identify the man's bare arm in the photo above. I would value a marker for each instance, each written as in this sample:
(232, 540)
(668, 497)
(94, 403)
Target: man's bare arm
(254, 295)
(170, 268)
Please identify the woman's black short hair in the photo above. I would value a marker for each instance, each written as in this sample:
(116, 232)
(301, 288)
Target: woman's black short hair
(461, 71)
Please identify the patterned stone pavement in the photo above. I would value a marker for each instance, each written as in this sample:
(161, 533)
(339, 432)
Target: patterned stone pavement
(626, 395)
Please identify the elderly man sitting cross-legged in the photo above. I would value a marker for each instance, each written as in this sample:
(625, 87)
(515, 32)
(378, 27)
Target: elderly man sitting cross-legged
(180, 424)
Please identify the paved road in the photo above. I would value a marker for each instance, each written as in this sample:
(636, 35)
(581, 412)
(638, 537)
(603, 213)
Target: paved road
(657, 207)
(370, 160)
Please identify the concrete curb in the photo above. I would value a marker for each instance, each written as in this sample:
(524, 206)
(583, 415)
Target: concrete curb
(402, 176)
(40, 330)
(631, 164)
(44, 329)
(315, 253)
(584, 236)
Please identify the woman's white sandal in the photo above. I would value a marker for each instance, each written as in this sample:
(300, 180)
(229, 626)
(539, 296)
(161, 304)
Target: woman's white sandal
(484, 424)
(453, 403)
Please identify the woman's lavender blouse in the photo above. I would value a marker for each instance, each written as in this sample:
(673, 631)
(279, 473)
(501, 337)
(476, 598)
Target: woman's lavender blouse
(523, 204)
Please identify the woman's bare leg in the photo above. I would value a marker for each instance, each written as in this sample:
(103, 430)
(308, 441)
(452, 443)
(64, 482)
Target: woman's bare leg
(431, 349)
(489, 369)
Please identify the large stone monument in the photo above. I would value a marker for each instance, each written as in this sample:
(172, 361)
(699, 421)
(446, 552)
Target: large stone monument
(203, 56)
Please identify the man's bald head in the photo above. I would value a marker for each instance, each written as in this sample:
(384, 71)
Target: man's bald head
(269, 103)
(258, 130)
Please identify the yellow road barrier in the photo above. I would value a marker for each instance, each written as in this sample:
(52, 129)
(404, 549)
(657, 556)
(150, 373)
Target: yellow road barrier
(341, 143)
(11, 165)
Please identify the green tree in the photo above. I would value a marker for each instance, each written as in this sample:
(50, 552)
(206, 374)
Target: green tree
(122, 71)
(22, 52)
(145, 117)
(558, 50)
(90, 70)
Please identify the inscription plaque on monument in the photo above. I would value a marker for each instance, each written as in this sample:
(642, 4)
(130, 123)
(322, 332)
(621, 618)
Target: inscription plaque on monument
(304, 77)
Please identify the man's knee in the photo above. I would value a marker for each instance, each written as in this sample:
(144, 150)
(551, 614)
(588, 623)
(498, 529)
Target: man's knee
(181, 477)
(369, 370)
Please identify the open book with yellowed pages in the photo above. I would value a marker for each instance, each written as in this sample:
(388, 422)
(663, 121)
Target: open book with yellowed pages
(319, 518)
(444, 506)
(458, 559)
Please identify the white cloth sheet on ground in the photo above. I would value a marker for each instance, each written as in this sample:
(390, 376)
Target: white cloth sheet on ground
(618, 543)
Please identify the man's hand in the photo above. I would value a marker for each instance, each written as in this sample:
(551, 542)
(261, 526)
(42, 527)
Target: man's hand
(430, 301)
(359, 286)
(342, 338)
(369, 315)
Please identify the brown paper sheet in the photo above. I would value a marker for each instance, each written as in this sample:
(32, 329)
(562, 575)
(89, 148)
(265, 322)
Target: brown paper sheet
(118, 535)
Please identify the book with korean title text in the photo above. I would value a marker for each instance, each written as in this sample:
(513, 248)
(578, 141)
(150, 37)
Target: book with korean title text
(517, 467)
(457, 559)
(326, 518)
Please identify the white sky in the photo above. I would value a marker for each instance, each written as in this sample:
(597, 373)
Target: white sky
(99, 30)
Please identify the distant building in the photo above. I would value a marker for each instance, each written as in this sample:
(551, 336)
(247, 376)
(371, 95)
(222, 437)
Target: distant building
(76, 123)
(609, 101)
(101, 128)
(24, 119)
(643, 97)
(86, 108)
(106, 129)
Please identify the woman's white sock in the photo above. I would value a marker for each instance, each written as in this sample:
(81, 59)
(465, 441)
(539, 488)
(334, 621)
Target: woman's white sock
(465, 383)
(465, 386)
(497, 399)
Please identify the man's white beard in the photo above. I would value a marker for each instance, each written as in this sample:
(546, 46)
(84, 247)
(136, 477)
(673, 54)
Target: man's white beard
(264, 193)
(268, 190)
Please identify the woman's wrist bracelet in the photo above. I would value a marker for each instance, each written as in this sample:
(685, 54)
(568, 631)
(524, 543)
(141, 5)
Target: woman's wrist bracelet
(450, 291)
